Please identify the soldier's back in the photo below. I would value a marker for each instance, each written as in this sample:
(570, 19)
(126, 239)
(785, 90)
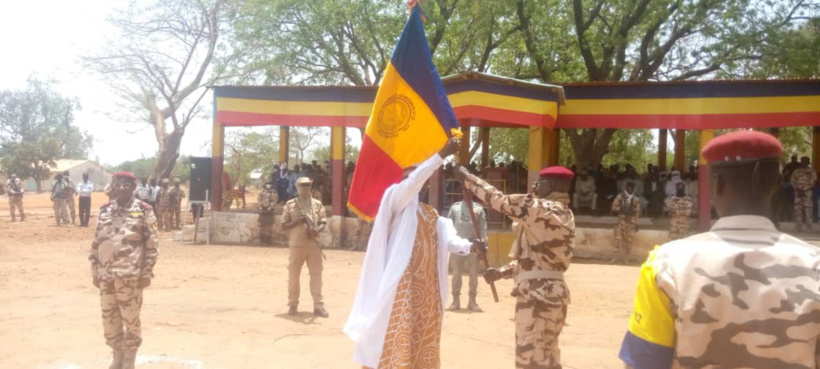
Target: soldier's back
(742, 296)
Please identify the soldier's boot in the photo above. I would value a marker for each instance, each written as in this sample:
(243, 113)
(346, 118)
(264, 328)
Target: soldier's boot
(456, 305)
(472, 305)
(23, 217)
(129, 358)
(293, 310)
(116, 362)
(13, 218)
(321, 312)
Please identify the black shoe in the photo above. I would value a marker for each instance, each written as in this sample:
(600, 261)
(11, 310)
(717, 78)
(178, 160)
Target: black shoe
(320, 312)
(292, 311)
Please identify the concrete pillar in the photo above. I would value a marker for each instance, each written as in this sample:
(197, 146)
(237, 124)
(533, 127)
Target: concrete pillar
(337, 165)
(815, 148)
(680, 150)
(217, 163)
(484, 136)
(704, 197)
(538, 152)
(284, 144)
(662, 138)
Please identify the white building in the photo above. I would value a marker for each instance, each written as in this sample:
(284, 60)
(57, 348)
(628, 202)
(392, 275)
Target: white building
(97, 175)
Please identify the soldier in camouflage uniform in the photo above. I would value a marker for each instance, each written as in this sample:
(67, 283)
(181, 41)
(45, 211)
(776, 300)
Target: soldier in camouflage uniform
(362, 235)
(267, 200)
(70, 191)
(15, 190)
(627, 207)
(544, 252)
(123, 254)
(164, 206)
(803, 180)
(742, 295)
(58, 195)
(177, 194)
(680, 209)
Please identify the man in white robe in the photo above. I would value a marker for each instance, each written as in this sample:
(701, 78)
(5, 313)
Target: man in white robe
(388, 257)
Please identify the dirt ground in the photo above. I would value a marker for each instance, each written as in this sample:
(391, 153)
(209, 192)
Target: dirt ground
(225, 307)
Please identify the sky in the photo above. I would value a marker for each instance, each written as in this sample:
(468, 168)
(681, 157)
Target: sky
(47, 38)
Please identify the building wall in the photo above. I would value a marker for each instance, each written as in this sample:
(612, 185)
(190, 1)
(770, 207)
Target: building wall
(97, 175)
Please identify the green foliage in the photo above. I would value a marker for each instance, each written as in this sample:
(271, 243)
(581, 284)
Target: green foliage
(36, 128)
(507, 144)
(634, 146)
(143, 167)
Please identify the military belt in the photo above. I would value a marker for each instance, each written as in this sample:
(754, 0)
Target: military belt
(539, 274)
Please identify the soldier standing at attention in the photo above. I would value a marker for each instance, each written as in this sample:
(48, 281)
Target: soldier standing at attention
(680, 209)
(464, 228)
(803, 179)
(144, 191)
(627, 207)
(267, 200)
(164, 206)
(70, 191)
(544, 252)
(305, 217)
(742, 295)
(85, 189)
(58, 193)
(177, 194)
(14, 187)
(123, 255)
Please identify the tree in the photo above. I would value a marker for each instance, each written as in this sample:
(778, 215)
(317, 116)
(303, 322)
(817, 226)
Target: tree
(159, 61)
(249, 151)
(36, 128)
(303, 138)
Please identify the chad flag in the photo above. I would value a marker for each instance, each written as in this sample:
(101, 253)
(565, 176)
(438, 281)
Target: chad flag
(411, 120)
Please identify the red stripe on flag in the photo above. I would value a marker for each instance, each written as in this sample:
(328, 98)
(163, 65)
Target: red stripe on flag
(375, 172)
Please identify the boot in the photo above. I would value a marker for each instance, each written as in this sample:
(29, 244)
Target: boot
(13, 219)
(129, 358)
(116, 362)
(456, 305)
(320, 312)
(472, 305)
(293, 310)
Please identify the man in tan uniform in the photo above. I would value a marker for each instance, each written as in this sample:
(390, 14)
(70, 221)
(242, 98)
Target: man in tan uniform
(680, 210)
(627, 206)
(177, 194)
(266, 203)
(14, 189)
(123, 255)
(70, 191)
(58, 195)
(742, 295)
(803, 179)
(163, 211)
(544, 251)
(305, 217)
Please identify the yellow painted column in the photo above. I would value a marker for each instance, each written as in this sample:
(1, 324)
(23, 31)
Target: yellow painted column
(463, 157)
(704, 197)
(538, 152)
(284, 143)
(815, 148)
(337, 165)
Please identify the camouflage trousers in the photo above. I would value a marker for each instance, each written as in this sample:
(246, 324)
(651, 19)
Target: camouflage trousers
(678, 227)
(121, 301)
(176, 212)
(803, 208)
(60, 211)
(16, 202)
(624, 234)
(163, 218)
(538, 325)
(72, 208)
(265, 228)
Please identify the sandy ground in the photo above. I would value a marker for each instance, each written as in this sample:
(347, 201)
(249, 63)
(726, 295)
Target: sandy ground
(225, 307)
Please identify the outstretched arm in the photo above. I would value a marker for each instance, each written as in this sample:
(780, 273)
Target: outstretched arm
(509, 205)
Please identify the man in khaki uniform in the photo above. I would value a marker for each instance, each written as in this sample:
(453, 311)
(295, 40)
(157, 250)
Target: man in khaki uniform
(163, 210)
(803, 179)
(14, 189)
(627, 207)
(266, 202)
(680, 210)
(123, 255)
(58, 195)
(305, 217)
(177, 194)
(70, 191)
(742, 295)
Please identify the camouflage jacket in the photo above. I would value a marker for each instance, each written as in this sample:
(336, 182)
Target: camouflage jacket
(546, 241)
(15, 187)
(177, 194)
(125, 243)
(804, 179)
(164, 198)
(742, 295)
(680, 206)
(70, 187)
(625, 210)
(267, 200)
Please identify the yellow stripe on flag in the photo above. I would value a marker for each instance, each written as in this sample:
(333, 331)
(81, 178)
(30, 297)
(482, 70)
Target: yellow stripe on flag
(401, 124)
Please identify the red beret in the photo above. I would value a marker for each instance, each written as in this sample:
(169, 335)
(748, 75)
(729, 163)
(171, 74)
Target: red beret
(557, 172)
(742, 146)
(126, 175)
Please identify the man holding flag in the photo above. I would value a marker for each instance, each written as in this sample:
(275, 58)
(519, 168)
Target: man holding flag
(397, 316)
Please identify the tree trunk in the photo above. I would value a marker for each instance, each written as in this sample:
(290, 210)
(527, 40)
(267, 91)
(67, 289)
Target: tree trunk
(589, 146)
(167, 155)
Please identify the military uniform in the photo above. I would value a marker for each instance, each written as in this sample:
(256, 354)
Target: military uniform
(362, 235)
(70, 191)
(177, 194)
(124, 251)
(304, 249)
(164, 207)
(680, 210)
(545, 249)
(266, 201)
(803, 180)
(464, 228)
(628, 210)
(58, 198)
(14, 187)
(585, 193)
